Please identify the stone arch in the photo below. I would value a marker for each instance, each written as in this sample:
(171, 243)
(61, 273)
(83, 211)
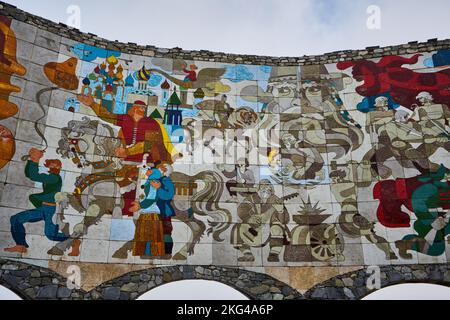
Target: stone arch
(180, 290)
(352, 285)
(34, 282)
(255, 286)
(410, 291)
(12, 289)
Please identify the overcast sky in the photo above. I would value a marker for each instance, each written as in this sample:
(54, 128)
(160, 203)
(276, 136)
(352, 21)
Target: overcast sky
(263, 27)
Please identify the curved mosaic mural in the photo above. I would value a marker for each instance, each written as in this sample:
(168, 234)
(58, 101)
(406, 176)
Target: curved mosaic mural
(119, 159)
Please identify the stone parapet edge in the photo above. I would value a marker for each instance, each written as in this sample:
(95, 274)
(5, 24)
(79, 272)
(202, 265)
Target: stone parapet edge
(204, 55)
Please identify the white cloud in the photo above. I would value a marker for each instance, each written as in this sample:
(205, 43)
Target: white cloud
(265, 27)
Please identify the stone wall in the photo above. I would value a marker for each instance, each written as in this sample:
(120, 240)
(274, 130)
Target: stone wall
(33, 282)
(283, 177)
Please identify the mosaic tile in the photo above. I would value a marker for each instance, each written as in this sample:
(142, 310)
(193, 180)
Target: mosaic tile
(155, 161)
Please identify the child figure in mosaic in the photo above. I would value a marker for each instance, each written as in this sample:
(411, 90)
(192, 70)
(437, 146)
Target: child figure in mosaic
(148, 238)
(153, 227)
(149, 202)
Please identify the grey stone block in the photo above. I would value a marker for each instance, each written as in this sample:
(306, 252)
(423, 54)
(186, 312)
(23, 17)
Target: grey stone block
(24, 31)
(47, 292)
(10, 267)
(20, 273)
(13, 281)
(129, 287)
(64, 292)
(395, 276)
(30, 292)
(35, 73)
(42, 55)
(124, 296)
(47, 40)
(335, 293)
(24, 50)
(259, 289)
(144, 277)
(111, 293)
(16, 196)
(26, 132)
(31, 111)
(319, 293)
(16, 174)
(349, 293)
(278, 296)
(31, 90)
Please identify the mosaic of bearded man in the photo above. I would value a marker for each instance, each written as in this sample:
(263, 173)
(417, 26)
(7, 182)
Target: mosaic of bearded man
(139, 135)
(257, 210)
(244, 178)
(434, 121)
(302, 160)
(391, 134)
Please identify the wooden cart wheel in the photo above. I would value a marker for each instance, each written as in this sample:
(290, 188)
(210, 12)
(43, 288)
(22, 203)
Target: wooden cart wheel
(326, 242)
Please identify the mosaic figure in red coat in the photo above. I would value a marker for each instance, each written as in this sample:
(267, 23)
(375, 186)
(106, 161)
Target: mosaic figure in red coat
(395, 201)
(389, 76)
(139, 135)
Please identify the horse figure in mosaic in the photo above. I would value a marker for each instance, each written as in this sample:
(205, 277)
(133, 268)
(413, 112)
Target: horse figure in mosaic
(90, 144)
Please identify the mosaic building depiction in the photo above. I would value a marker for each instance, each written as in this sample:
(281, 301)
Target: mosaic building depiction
(118, 162)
